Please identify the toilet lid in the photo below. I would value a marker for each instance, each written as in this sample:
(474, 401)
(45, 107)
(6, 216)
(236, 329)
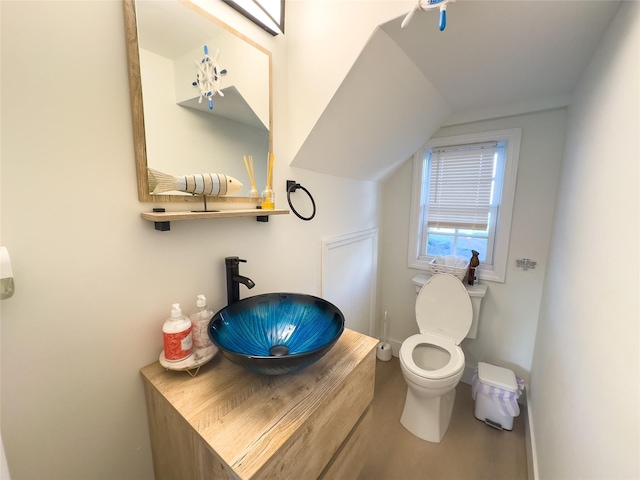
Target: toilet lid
(444, 308)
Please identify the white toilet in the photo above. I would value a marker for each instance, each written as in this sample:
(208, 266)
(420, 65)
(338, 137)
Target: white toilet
(432, 361)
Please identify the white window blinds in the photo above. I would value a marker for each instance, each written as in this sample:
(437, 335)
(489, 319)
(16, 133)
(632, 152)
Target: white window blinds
(460, 186)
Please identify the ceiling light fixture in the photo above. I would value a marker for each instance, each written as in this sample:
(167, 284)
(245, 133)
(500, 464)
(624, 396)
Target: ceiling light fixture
(267, 14)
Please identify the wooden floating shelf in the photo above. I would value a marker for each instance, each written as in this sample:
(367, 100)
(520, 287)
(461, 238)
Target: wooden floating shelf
(162, 219)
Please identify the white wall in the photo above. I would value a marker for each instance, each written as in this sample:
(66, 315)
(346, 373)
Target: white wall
(509, 311)
(94, 282)
(584, 381)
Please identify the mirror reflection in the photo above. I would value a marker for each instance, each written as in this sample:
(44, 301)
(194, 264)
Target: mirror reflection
(175, 130)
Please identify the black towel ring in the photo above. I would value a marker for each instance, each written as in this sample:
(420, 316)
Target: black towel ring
(292, 187)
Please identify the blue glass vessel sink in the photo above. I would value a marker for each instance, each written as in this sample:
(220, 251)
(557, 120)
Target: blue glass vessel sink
(276, 333)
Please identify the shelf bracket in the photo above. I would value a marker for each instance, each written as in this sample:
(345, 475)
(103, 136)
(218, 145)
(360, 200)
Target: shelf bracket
(161, 226)
(262, 218)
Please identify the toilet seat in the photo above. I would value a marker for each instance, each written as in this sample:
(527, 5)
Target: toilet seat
(456, 356)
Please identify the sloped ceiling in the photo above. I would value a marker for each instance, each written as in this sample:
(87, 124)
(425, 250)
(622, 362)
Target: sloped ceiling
(493, 59)
(382, 106)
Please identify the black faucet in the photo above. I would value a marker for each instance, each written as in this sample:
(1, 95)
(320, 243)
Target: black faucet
(234, 279)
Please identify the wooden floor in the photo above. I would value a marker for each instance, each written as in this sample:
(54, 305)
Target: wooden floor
(470, 449)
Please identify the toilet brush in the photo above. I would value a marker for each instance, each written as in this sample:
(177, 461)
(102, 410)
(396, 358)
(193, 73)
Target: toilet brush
(384, 349)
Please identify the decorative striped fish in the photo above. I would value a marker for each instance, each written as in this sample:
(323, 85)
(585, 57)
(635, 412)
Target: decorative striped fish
(211, 184)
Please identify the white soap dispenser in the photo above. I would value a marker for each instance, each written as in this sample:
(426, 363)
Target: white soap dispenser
(200, 321)
(177, 336)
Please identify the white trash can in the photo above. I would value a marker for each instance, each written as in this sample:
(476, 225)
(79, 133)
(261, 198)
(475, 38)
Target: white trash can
(496, 391)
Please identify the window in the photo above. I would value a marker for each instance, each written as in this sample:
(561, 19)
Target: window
(462, 199)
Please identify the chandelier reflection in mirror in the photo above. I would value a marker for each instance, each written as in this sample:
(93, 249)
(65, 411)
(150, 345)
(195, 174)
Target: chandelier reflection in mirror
(424, 5)
(208, 78)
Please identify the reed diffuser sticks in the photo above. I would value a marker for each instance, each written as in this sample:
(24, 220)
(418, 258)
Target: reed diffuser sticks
(268, 197)
(248, 163)
(270, 170)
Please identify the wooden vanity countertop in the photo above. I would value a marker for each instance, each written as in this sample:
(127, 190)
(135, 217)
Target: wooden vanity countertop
(258, 426)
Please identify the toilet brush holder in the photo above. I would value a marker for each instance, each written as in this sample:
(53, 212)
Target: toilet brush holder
(384, 351)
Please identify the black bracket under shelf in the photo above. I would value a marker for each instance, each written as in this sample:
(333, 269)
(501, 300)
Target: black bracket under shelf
(261, 218)
(161, 226)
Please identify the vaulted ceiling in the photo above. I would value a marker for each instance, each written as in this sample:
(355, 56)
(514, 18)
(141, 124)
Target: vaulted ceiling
(494, 59)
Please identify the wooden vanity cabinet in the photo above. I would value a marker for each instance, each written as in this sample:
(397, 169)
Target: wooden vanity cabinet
(228, 423)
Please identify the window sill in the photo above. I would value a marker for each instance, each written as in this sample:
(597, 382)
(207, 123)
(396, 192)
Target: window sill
(482, 274)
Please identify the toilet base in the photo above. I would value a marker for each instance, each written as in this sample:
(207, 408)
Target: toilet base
(428, 418)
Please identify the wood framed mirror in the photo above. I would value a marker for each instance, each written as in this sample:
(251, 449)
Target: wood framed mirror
(172, 131)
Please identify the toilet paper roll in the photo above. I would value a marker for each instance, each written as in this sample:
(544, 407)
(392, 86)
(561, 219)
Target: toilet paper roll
(6, 275)
(5, 263)
(384, 351)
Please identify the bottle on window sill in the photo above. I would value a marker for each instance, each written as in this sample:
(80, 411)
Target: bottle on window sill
(473, 264)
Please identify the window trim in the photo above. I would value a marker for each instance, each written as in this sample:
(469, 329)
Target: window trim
(511, 137)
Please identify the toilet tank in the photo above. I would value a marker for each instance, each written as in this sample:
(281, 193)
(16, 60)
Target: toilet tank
(476, 293)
